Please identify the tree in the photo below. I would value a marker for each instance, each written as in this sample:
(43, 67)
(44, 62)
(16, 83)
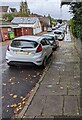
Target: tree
(8, 17)
(76, 22)
(52, 20)
(24, 11)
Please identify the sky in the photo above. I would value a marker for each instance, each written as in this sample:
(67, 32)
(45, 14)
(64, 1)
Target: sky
(43, 7)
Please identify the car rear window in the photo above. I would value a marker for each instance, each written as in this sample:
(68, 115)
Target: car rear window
(57, 32)
(24, 44)
(49, 37)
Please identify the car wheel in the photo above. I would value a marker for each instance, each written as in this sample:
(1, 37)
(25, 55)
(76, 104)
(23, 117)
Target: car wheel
(44, 62)
(10, 65)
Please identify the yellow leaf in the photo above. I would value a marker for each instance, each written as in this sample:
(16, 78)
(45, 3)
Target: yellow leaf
(14, 105)
(19, 103)
(15, 96)
(23, 99)
(23, 102)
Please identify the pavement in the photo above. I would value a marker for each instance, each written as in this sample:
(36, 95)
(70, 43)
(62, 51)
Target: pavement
(58, 94)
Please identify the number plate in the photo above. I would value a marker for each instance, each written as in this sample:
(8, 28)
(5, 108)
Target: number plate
(24, 53)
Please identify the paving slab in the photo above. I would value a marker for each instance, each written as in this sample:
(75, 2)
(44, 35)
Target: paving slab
(71, 106)
(53, 105)
(52, 89)
(36, 107)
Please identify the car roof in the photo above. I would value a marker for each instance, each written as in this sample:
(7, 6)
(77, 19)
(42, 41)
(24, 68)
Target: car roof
(30, 37)
(50, 35)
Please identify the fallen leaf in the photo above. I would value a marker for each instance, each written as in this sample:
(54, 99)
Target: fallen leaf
(23, 99)
(49, 86)
(4, 84)
(11, 79)
(17, 109)
(14, 105)
(15, 96)
(32, 90)
(7, 111)
(11, 94)
(12, 83)
(61, 87)
(77, 113)
(38, 73)
(75, 76)
(57, 83)
(34, 76)
(23, 102)
(8, 106)
(20, 108)
(2, 97)
(53, 91)
(19, 103)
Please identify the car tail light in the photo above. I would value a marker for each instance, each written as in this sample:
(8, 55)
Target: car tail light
(39, 49)
(8, 48)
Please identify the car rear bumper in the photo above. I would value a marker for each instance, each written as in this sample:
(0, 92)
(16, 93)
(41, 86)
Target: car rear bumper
(38, 60)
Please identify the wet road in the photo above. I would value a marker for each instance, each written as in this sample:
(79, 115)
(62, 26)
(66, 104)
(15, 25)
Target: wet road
(17, 82)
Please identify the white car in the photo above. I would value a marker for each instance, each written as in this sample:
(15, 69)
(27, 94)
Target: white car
(59, 34)
(53, 40)
(28, 49)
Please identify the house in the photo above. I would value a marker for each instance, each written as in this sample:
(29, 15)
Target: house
(3, 9)
(13, 10)
(45, 21)
(26, 26)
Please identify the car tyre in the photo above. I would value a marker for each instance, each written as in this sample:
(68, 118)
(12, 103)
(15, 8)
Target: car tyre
(44, 63)
(10, 65)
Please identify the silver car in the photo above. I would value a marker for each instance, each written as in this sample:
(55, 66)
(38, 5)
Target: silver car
(54, 42)
(28, 49)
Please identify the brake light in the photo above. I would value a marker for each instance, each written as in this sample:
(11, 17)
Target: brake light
(8, 48)
(39, 49)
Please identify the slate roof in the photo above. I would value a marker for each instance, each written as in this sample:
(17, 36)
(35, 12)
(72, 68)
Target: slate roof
(24, 20)
(13, 10)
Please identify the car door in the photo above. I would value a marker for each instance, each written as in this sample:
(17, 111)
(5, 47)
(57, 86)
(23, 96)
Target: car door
(47, 48)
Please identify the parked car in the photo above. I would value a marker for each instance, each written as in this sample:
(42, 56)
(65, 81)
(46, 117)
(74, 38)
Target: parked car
(52, 39)
(61, 29)
(49, 29)
(28, 49)
(59, 34)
